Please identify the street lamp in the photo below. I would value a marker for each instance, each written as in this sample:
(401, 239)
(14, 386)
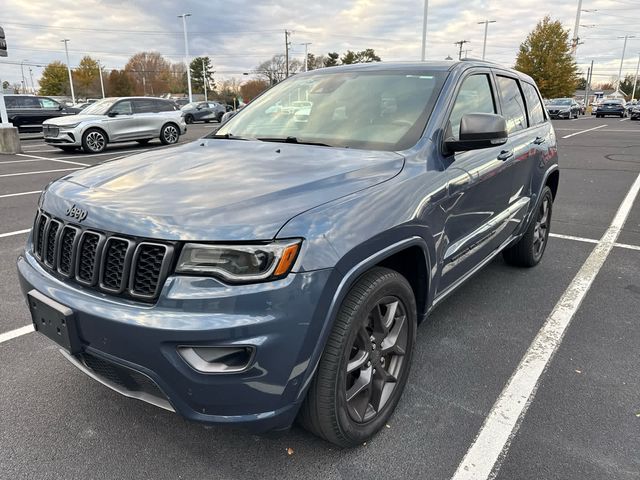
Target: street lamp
(624, 48)
(425, 15)
(24, 83)
(306, 55)
(486, 27)
(186, 51)
(66, 49)
(635, 82)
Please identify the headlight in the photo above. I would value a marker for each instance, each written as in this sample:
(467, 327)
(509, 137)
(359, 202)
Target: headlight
(240, 263)
(71, 125)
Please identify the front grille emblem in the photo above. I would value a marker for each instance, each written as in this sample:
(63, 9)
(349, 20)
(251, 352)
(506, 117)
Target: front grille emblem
(76, 212)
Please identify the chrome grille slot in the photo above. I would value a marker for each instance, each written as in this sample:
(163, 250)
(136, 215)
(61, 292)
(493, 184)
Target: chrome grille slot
(50, 243)
(39, 236)
(150, 264)
(68, 242)
(88, 250)
(116, 260)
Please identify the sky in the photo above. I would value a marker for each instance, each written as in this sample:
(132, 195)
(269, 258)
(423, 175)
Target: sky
(240, 34)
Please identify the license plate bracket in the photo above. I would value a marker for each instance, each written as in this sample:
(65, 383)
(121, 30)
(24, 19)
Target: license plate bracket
(54, 320)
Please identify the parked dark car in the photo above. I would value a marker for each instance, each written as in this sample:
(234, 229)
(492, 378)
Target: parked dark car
(27, 112)
(563, 108)
(634, 113)
(280, 268)
(613, 107)
(203, 112)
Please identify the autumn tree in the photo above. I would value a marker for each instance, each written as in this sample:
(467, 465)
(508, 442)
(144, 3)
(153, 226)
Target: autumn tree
(546, 57)
(119, 84)
(86, 78)
(178, 78)
(227, 91)
(314, 62)
(150, 73)
(201, 69)
(54, 79)
(252, 88)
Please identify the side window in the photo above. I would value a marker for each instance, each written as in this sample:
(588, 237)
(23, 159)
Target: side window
(162, 106)
(28, 102)
(474, 97)
(536, 111)
(11, 102)
(145, 106)
(122, 108)
(512, 104)
(48, 103)
(213, 105)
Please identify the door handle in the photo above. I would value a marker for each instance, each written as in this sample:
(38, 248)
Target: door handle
(505, 155)
(539, 140)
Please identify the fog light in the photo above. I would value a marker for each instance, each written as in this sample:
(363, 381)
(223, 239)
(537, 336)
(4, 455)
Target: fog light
(217, 359)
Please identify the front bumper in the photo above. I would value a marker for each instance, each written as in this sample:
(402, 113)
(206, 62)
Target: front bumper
(556, 115)
(281, 319)
(71, 137)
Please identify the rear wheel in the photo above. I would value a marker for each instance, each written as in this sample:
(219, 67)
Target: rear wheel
(530, 248)
(188, 119)
(94, 140)
(169, 134)
(366, 361)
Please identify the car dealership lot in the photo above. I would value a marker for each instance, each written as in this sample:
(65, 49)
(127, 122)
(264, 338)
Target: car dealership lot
(584, 421)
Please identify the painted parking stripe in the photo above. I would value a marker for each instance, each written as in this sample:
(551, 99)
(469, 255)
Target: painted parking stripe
(18, 332)
(38, 172)
(7, 195)
(39, 158)
(593, 240)
(483, 459)
(17, 232)
(584, 131)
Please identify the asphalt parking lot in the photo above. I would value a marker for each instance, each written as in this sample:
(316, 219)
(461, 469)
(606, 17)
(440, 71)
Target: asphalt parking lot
(583, 423)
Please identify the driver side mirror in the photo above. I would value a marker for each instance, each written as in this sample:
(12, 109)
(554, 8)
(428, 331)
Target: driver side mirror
(479, 130)
(112, 114)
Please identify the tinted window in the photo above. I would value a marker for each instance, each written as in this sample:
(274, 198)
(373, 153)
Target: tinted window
(162, 106)
(122, 108)
(22, 102)
(145, 106)
(536, 112)
(11, 102)
(512, 104)
(48, 103)
(474, 97)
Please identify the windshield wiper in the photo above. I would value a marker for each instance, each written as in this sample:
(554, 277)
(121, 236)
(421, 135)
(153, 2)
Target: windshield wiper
(291, 140)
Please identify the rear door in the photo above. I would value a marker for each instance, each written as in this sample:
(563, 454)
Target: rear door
(145, 111)
(203, 112)
(475, 224)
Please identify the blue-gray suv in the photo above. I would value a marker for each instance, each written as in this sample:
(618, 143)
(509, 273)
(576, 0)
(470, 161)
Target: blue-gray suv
(278, 268)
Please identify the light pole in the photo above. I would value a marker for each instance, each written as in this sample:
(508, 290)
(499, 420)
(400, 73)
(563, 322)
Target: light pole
(486, 28)
(186, 51)
(24, 83)
(624, 48)
(33, 88)
(66, 49)
(204, 79)
(574, 42)
(425, 16)
(635, 82)
(101, 82)
(306, 55)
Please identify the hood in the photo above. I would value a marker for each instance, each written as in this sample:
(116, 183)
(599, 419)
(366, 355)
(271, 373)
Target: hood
(72, 120)
(216, 189)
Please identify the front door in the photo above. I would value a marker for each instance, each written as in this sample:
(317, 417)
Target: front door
(121, 124)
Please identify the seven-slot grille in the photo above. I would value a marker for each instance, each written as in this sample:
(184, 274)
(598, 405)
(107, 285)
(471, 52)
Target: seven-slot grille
(101, 260)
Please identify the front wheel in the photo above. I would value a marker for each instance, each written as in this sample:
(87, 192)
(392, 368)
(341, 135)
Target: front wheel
(169, 134)
(530, 248)
(365, 365)
(189, 119)
(94, 141)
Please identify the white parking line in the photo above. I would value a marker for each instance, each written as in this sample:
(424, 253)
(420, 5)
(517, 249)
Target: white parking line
(38, 158)
(40, 151)
(624, 119)
(38, 172)
(584, 131)
(116, 152)
(7, 195)
(593, 240)
(483, 459)
(17, 232)
(18, 332)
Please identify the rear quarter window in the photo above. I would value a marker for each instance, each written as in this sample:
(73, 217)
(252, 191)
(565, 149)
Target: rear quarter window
(534, 105)
(513, 106)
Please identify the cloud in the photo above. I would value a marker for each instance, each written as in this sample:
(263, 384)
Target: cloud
(240, 34)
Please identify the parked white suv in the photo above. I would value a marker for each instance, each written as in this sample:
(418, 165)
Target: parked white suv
(113, 120)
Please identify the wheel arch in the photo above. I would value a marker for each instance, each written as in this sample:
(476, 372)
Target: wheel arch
(95, 127)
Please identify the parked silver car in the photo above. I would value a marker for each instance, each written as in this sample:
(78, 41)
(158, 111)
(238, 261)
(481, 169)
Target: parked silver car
(113, 120)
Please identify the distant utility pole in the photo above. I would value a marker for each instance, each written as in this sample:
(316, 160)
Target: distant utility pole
(24, 82)
(186, 52)
(204, 79)
(33, 88)
(101, 82)
(635, 82)
(588, 85)
(66, 49)
(286, 52)
(306, 55)
(425, 16)
(486, 28)
(466, 52)
(576, 38)
(624, 48)
(461, 43)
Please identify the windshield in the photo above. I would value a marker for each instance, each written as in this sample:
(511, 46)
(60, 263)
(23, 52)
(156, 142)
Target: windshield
(613, 102)
(382, 110)
(100, 107)
(190, 105)
(561, 101)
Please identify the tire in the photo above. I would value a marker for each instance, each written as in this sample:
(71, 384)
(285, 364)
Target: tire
(219, 117)
(143, 141)
(170, 134)
(530, 248)
(68, 149)
(355, 342)
(188, 119)
(94, 140)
